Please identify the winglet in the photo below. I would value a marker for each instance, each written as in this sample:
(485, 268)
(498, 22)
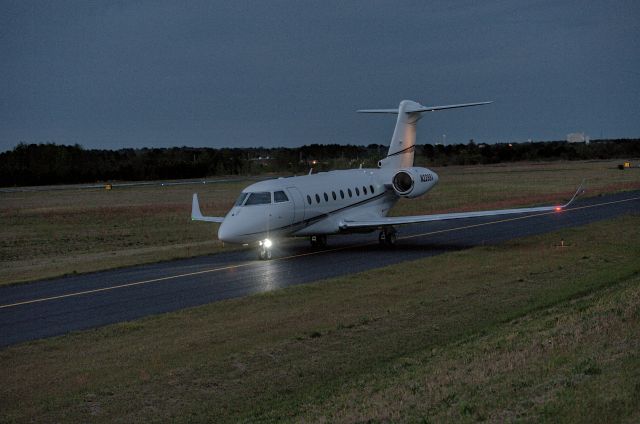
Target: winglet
(581, 190)
(196, 215)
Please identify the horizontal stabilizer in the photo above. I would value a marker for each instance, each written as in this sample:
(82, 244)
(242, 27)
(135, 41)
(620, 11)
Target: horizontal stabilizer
(419, 108)
(196, 215)
(378, 111)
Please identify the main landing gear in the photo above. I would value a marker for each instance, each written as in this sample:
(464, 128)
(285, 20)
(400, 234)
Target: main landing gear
(318, 240)
(388, 237)
(264, 249)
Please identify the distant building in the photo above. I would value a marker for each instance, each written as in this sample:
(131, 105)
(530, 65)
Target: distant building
(577, 138)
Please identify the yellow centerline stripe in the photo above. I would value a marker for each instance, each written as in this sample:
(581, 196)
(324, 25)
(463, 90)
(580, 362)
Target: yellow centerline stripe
(206, 271)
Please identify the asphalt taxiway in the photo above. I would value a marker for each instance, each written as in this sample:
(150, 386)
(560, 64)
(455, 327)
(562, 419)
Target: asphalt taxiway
(57, 306)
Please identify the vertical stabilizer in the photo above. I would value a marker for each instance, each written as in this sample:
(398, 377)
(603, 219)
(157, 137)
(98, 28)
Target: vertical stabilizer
(403, 142)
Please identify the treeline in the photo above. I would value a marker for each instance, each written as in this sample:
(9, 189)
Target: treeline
(472, 153)
(44, 164)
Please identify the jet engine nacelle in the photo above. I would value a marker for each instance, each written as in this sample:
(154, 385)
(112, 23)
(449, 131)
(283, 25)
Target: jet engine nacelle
(413, 182)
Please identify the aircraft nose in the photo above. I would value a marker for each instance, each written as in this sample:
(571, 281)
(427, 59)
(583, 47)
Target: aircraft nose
(224, 232)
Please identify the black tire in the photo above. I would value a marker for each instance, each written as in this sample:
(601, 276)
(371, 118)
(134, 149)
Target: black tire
(320, 240)
(391, 238)
(387, 238)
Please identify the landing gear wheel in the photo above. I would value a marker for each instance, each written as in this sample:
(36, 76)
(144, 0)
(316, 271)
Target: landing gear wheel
(392, 237)
(388, 237)
(264, 254)
(318, 241)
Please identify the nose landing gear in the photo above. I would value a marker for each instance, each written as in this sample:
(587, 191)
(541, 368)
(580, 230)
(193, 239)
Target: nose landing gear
(264, 254)
(264, 249)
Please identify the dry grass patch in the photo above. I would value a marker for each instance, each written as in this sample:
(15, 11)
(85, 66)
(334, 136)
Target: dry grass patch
(45, 234)
(577, 362)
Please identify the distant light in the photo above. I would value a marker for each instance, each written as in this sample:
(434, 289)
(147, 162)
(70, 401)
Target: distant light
(558, 208)
(267, 243)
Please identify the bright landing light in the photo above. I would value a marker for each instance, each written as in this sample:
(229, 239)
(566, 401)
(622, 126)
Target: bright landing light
(267, 243)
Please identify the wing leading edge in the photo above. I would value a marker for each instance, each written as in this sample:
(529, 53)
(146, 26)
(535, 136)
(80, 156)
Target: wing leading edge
(402, 220)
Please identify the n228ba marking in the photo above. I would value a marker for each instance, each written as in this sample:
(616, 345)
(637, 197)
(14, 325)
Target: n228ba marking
(345, 201)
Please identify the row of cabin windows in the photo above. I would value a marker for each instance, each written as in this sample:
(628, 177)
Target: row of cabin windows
(264, 198)
(342, 195)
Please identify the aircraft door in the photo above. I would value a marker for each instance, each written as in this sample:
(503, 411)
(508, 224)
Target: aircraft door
(298, 202)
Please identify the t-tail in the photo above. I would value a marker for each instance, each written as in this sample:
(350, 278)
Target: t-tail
(402, 147)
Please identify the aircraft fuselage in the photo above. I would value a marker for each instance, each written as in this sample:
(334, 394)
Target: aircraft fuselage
(310, 204)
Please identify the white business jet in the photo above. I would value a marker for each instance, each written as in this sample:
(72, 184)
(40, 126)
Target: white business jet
(344, 201)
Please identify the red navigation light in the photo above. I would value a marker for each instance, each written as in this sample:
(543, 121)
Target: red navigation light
(558, 208)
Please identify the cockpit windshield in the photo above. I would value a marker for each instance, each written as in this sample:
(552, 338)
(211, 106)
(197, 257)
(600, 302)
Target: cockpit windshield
(241, 199)
(261, 198)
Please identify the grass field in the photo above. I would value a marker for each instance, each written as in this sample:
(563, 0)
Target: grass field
(46, 234)
(523, 331)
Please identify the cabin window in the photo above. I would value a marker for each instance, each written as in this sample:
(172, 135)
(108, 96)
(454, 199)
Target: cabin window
(326, 198)
(317, 199)
(280, 196)
(350, 193)
(241, 199)
(341, 194)
(308, 199)
(364, 189)
(333, 193)
(357, 192)
(371, 188)
(262, 198)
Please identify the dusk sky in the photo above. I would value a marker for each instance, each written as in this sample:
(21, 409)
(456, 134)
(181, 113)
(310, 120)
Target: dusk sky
(113, 74)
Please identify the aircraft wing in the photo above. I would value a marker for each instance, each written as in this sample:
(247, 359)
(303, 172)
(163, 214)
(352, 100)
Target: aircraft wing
(196, 215)
(402, 220)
